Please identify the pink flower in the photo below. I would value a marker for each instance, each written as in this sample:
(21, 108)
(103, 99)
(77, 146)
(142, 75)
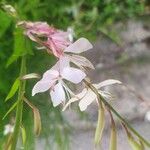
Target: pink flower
(57, 42)
(36, 29)
(54, 40)
(53, 80)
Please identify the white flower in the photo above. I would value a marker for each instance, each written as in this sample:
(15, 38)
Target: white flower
(79, 46)
(8, 129)
(87, 96)
(147, 116)
(71, 33)
(53, 80)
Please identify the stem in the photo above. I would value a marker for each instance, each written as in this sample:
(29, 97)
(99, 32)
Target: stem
(19, 105)
(116, 113)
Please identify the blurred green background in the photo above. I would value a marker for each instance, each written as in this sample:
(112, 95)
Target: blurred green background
(88, 18)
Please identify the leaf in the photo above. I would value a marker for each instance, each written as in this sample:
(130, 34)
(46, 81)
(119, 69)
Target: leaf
(10, 109)
(37, 121)
(113, 137)
(13, 89)
(23, 133)
(21, 46)
(37, 118)
(132, 142)
(100, 126)
(5, 22)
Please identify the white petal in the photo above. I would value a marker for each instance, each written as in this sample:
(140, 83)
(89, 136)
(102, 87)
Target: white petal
(87, 100)
(57, 94)
(106, 95)
(106, 83)
(79, 46)
(50, 75)
(73, 74)
(76, 98)
(81, 61)
(49, 78)
(61, 64)
(42, 86)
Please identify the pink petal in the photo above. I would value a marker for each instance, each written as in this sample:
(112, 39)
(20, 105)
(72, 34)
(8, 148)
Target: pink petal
(57, 94)
(79, 46)
(72, 74)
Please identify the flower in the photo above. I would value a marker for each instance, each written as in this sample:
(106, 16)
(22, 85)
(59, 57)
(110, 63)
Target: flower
(48, 37)
(8, 129)
(72, 51)
(147, 116)
(87, 96)
(58, 42)
(53, 80)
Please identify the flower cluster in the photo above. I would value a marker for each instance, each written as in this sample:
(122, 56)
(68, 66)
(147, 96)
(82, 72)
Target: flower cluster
(58, 43)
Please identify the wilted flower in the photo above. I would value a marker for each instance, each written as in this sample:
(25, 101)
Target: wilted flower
(8, 129)
(87, 96)
(48, 37)
(53, 80)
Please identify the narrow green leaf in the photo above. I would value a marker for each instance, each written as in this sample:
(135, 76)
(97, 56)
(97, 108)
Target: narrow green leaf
(22, 46)
(132, 142)
(113, 137)
(23, 133)
(100, 125)
(10, 109)
(11, 59)
(13, 89)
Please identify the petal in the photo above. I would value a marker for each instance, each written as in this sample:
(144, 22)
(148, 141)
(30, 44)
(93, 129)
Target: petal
(57, 94)
(49, 78)
(76, 98)
(42, 86)
(81, 61)
(50, 75)
(107, 82)
(73, 74)
(87, 100)
(61, 64)
(79, 46)
(106, 95)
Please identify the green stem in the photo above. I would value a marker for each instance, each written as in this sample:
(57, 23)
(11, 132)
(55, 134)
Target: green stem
(116, 113)
(19, 105)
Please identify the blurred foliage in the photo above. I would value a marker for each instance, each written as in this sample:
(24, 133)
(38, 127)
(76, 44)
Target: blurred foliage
(87, 18)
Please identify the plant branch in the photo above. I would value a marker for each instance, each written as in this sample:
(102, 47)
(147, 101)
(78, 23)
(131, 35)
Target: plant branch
(116, 113)
(19, 105)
